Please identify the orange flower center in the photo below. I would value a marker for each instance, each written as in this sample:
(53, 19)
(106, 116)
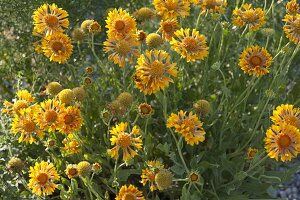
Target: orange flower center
(29, 126)
(19, 105)
(57, 46)
(42, 178)
(129, 196)
(284, 141)
(190, 43)
(157, 68)
(124, 140)
(171, 5)
(168, 27)
(194, 177)
(51, 20)
(145, 110)
(256, 61)
(151, 176)
(119, 25)
(50, 116)
(69, 119)
(250, 16)
(123, 48)
(292, 120)
(73, 171)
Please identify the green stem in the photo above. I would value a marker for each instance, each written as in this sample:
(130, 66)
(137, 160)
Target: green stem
(179, 152)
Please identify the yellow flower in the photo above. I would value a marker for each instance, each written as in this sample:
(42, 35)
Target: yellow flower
(251, 153)
(144, 14)
(216, 6)
(84, 168)
(72, 120)
(168, 9)
(50, 19)
(66, 96)
(282, 141)
(54, 88)
(72, 144)
(48, 117)
(168, 27)
(286, 113)
(122, 139)
(255, 60)
(120, 24)
(24, 99)
(57, 47)
(145, 110)
(130, 193)
(188, 125)
(194, 177)
(292, 27)
(153, 71)
(94, 27)
(148, 174)
(24, 124)
(190, 46)
(141, 35)
(42, 177)
(154, 40)
(252, 17)
(71, 171)
(292, 7)
(121, 50)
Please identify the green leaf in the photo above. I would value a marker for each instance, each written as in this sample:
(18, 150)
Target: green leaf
(269, 179)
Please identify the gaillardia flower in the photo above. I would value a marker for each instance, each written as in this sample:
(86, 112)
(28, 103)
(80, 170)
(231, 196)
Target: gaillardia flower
(120, 24)
(168, 9)
(292, 27)
(57, 47)
(24, 124)
(282, 141)
(71, 171)
(72, 144)
(130, 192)
(50, 19)
(24, 99)
(255, 60)
(145, 110)
(48, 117)
(251, 152)
(72, 120)
(42, 177)
(214, 6)
(154, 71)
(190, 45)
(168, 27)
(286, 113)
(124, 140)
(122, 50)
(252, 17)
(149, 173)
(188, 125)
(292, 7)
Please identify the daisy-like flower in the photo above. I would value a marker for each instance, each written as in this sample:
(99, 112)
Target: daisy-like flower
(24, 99)
(292, 27)
(72, 145)
(149, 173)
(253, 17)
(282, 141)
(120, 24)
(71, 171)
(145, 110)
(292, 7)
(188, 125)
(42, 178)
(130, 192)
(24, 123)
(251, 152)
(255, 60)
(57, 47)
(72, 120)
(168, 9)
(123, 50)
(48, 117)
(286, 113)
(168, 27)
(50, 19)
(153, 71)
(214, 6)
(190, 45)
(124, 140)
